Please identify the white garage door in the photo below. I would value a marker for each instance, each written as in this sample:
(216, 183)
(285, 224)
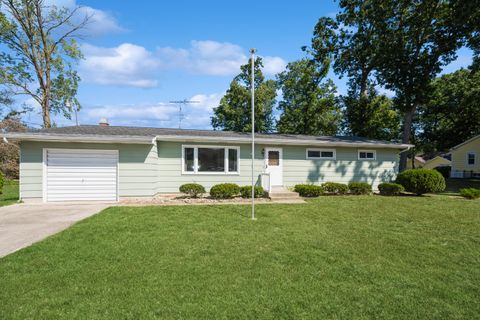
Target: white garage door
(80, 175)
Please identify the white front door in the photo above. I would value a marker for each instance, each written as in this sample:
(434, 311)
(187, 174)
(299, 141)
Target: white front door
(274, 165)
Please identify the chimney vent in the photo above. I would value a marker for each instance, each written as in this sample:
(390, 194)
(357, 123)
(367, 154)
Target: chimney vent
(103, 122)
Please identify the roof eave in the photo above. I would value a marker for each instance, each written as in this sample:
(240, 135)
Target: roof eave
(77, 138)
(177, 138)
(464, 143)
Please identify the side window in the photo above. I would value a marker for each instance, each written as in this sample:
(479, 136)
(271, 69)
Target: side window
(471, 158)
(367, 154)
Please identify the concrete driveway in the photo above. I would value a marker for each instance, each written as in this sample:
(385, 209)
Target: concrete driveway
(24, 224)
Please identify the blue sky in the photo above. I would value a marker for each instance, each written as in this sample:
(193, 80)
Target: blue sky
(139, 55)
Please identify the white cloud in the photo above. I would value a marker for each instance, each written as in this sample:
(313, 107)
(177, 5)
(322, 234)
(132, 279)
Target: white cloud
(127, 64)
(131, 113)
(213, 58)
(162, 114)
(133, 65)
(207, 102)
(273, 65)
(101, 22)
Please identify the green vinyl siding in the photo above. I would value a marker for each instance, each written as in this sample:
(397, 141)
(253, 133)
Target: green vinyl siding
(170, 176)
(137, 168)
(145, 170)
(346, 168)
(296, 168)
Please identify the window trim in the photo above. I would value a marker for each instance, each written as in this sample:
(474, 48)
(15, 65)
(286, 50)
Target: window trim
(474, 158)
(320, 150)
(367, 159)
(195, 160)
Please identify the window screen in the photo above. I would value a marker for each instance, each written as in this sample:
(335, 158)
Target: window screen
(232, 160)
(189, 159)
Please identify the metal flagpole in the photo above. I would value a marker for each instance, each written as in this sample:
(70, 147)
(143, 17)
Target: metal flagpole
(252, 51)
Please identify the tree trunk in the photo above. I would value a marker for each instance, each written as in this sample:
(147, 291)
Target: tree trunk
(46, 113)
(364, 82)
(407, 129)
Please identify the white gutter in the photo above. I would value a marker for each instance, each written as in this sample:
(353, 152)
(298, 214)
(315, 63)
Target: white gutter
(77, 138)
(296, 142)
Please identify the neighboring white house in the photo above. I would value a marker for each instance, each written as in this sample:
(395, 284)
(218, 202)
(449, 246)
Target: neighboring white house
(465, 159)
(109, 162)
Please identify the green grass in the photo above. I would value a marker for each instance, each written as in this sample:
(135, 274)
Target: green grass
(454, 185)
(10, 193)
(352, 257)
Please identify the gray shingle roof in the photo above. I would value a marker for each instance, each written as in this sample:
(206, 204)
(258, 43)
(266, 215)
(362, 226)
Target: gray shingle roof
(153, 132)
(114, 134)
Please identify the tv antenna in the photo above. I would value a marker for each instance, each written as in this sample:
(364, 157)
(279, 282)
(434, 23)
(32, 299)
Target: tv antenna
(181, 104)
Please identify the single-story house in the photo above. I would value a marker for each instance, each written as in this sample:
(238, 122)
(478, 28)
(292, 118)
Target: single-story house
(421, 162)
(106, 163)
(465, 161)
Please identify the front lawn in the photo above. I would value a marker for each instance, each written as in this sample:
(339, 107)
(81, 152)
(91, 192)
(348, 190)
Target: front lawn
(334, 257)
(10, 193)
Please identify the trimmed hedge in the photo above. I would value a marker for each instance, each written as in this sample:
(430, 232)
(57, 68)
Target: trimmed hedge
(359, 188)
(192, 189)
(335, 188)
(1, 182)
(308, 190)
(444, 170)
(420, 181)
(224, 191)
(246, 192)
(470, 193)
(390, 189)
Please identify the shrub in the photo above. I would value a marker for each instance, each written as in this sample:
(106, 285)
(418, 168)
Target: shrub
(1, 182)
(390, 189)
(420, 181)
(246, 192)
(224, 190)
(309, 190)
(360, 188)
(192, 189)
(335, 188)
(444, 170)
(470, 193)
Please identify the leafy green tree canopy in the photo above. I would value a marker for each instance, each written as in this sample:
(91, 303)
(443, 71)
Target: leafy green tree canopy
(373, 116)
(39, 50)
(309, 105)
(234, 110)
(451, 113)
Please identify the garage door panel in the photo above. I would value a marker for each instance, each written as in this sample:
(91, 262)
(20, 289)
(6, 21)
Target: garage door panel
(82, 163)
(81, 175)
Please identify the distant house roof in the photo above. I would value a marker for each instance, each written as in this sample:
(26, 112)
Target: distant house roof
(465, 142)
(420, 159)
(122, 134)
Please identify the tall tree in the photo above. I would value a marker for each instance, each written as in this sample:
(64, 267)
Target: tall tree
(309, 105)
(234, 111)
(417, 39)
(41, 49)
(451, 113)
(373, 116)
(404, 43)
(351, 40)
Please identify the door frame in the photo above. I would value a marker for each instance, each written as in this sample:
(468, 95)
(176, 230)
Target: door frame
(280, 163)
(45, 164)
